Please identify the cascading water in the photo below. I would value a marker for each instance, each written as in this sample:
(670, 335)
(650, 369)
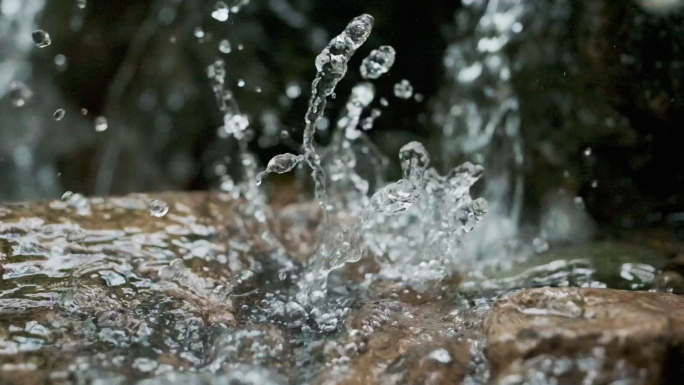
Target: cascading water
(480, 118)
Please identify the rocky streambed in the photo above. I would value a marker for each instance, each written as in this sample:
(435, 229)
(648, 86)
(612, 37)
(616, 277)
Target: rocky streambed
(107, 291)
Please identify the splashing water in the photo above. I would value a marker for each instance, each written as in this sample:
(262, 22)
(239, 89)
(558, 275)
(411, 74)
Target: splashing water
(331, 65)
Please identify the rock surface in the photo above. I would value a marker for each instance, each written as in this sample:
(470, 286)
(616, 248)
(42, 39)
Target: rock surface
(599, 336)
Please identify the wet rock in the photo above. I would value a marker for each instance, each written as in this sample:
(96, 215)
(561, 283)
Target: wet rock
(118, 290)
(570, 335)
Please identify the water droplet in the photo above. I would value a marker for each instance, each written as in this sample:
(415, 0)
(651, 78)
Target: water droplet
(403, 89)
(157, 208)
(280, 164)
(41, 38)
(240, 47)
(60, 61)
(19, 93)
(224, 46)
(220, 11)
(384, 102)
(594, 184)
(257, 90)
(199, 32)
(235, 125)
(418, 97)
(378, 62)
(587, 152)
(293, 90)
(101, 124)
(241, 83)
(59, 114)
(84, 111)
(227, 184)
(81, 4)
(579, 202)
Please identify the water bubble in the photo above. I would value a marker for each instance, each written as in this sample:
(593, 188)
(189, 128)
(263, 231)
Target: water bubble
(220, 11)
(378, 62)
(59, 114)
(403, 89)
(19, 93)
(280, 164)
(81, 4)
(587, 152)
(157, 208)
(224, 46)
(101, 124)
(41, 38)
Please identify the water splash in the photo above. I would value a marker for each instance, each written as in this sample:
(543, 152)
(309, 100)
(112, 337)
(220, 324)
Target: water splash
(331, 65)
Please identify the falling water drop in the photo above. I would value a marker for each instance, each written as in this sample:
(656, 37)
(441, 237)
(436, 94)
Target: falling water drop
(378, 62)
(41, 38)
(59, 114)
(241, 83)
(403, 89)
(224, 46)
(101, 124)
(157, 208)
(81, 4)
(587, 152)
(594, 184)
(280, 164)
(220, 11)
(84, 111)
(384, 102)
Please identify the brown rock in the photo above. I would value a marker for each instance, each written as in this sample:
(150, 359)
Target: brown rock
(578, 334)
